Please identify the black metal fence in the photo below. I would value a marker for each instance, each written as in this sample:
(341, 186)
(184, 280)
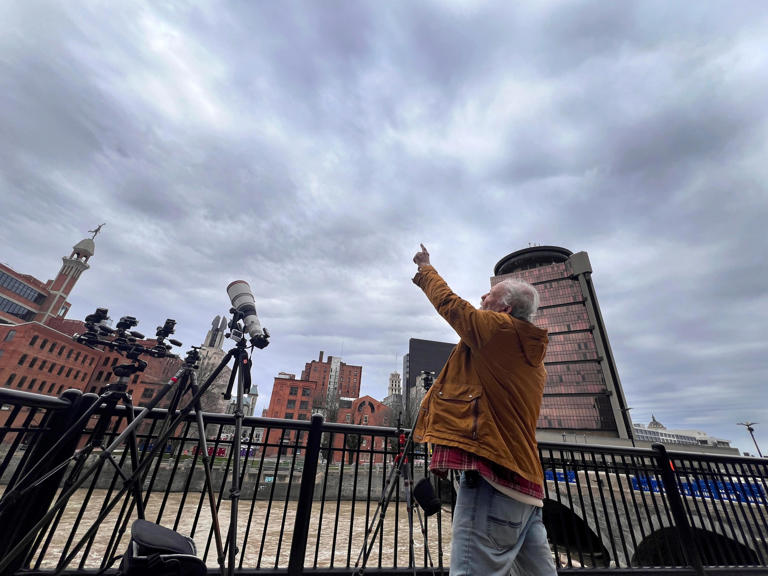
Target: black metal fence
(315, 497)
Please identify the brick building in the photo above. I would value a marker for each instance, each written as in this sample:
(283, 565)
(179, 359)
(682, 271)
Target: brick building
(291, 400)
(335, 380)
(24, 298)
(37, 350)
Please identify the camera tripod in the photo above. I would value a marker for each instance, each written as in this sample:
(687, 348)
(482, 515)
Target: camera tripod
(402, 472)
(124, 341)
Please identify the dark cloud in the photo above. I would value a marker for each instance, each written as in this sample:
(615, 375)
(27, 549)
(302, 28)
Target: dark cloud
(309, 148)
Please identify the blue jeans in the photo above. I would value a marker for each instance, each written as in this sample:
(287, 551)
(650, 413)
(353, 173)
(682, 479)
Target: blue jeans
(495, 535)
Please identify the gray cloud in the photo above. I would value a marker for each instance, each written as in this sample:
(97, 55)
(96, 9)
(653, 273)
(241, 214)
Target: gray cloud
(310, 147)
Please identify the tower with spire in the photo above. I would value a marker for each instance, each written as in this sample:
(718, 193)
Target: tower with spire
(24, 298)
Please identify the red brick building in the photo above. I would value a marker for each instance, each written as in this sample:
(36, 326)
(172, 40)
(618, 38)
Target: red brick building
(365, 411)
(46, 360)
(37, 350)
(334, 377)
(24, 298)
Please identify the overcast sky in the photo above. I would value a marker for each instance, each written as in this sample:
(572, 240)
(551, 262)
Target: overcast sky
(309, 147)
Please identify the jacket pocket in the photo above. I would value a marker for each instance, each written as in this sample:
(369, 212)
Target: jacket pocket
(457, 411)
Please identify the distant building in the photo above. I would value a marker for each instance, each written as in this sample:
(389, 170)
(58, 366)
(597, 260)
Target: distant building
(656, 432)
(211, 355)
(335, 380)
(364, 411)
(37, 350)
(291, 400)
(423, 355)
(24, 298)
(583, 392)
(394, 399)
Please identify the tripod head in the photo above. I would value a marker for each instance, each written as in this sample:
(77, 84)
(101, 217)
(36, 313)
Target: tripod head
(427, 379)
(124, 340)
(193, 358)
(237, 331)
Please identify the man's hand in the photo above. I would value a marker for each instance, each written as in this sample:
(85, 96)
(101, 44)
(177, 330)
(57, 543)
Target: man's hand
(422, 257)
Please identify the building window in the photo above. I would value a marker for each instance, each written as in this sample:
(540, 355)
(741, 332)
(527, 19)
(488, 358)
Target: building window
(304, 405)
(10, 380)
(100, 375)
(32, 362)
(306, 392)
(50, 388)
(16, 310)
(51, 367)
(91, 362)
(52, 348)
(290, 404)
(22, 359)
(61, 350)
(106, 361)
(77, 356)
(21, 381)
(59, 391)
(69, 353)
(294, 390)
(147, 393)
(69, 372)
(33, 340)
(77, 374)
(44, 343)
(41, 386)
(1, 353)
(42, 364)
(83, 378)
(303, 417)
(348, 418)
(32, 383)
(114, 361)
(365, 419)
(289, 415)
(10, 335)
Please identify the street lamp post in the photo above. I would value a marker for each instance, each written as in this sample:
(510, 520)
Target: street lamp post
(748, 426)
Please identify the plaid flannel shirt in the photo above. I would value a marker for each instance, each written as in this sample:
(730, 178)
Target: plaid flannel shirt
(446, 458)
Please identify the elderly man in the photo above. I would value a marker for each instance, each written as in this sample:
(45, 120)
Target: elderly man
(480, 415)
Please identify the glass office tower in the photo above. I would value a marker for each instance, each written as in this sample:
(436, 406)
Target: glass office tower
(583, 391)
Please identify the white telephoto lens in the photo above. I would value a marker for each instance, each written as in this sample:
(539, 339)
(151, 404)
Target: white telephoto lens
(242, 300)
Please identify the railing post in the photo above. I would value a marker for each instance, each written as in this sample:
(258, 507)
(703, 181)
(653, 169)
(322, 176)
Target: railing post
(22, 515)
(306, 495)
(690, 551)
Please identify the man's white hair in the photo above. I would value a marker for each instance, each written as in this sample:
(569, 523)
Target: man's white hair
(522, 297)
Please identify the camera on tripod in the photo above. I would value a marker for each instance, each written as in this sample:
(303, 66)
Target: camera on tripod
(427, 379)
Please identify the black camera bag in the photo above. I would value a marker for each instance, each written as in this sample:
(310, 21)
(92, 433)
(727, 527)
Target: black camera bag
(158, 551)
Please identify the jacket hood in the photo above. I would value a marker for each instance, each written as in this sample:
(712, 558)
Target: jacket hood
(533, 341)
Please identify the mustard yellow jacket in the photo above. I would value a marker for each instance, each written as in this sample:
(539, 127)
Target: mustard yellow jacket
(486, 399)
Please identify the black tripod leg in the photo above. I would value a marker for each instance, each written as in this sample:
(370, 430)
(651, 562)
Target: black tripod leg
(386, 498)
(134, 451)
(234, 493)
(202, 447)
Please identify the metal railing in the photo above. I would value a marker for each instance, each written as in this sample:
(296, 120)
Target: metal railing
(313, 495)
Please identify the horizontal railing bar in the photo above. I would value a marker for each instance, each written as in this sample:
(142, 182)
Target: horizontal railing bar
(31, 399)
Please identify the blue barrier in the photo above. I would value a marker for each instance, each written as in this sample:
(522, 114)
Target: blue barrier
(713, 490)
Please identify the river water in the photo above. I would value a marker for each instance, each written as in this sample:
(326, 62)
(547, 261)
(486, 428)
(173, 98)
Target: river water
(337, 533)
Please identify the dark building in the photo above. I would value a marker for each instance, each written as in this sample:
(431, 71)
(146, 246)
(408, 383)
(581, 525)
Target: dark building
(583, 391)
(423, 355)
